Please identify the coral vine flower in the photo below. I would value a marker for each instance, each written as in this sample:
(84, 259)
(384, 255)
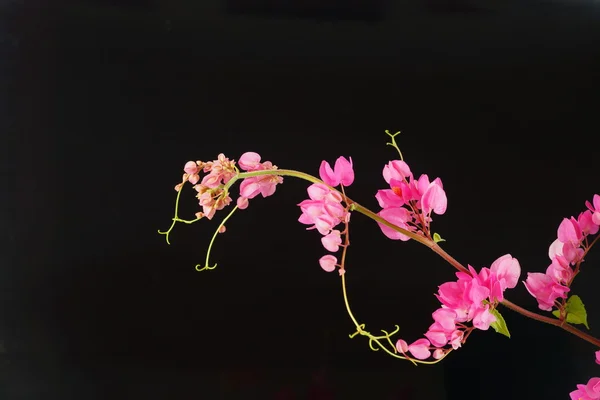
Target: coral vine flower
(471, 298)
(323, 210)
(595, 209)
(564, 252)
(342, 172)
(409, 202)
(545, 289)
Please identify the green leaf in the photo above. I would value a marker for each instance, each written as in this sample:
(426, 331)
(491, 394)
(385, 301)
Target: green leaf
(500, 324)
(437, 238)
(576, 313)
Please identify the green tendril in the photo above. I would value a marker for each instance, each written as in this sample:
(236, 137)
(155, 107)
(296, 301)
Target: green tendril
(175, 217)
(206, 266)
(393, 142)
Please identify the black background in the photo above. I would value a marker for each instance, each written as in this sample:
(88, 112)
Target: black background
(106, 101)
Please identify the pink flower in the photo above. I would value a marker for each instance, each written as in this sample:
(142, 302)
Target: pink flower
(397, 170)
(482, 318)
(342, 172)
(191, 169)
(388, 198)
(434, 199)
(569, 231)
(592, 388)
(402, 346)
(249, 161)
(420, 349)
(590, 391)
(328, 263)
(587, 224)
(441, 330)
(544, 289)
(579, 394)
(507, 270)
(597, 357)
(264, 185)
(332, 241)
(595, 209)
(560, 270)
(397, 216)
(555, 249)
(438, 353)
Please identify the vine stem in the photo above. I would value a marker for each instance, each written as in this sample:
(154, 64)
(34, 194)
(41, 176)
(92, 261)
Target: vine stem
(422, 240)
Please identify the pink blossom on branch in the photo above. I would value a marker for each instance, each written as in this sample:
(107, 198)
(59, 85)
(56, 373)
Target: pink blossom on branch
(409, 202)
(342, 172)
(323, 210)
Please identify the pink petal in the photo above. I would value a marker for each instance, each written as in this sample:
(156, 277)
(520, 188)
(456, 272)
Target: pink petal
(343, 170)
(507, 268)
(327, 175)
(398, 217)
(434, 199)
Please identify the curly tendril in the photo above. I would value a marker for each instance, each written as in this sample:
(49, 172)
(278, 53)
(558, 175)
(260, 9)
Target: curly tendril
(206, 266)
(360, 328)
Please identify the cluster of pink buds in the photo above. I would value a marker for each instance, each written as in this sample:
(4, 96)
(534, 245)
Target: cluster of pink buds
(324, 211)
(472, 298)
(566, 251)
(213, 196)
(591, 390)
(409, 202)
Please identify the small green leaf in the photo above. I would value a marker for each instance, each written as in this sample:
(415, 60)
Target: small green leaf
(500, 324)
(437, 238)
(576, 313)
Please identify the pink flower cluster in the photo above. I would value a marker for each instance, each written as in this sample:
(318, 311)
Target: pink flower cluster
(589, 391)
(211, 194)
(251, 187)
(324, 210)
(409, 202)
(469, 299)
(566, 251)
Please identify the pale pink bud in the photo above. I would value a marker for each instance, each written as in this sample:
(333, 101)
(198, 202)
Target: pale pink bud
(191, 168)
(222, 229)
(402, 346)
(438, 353)
(242, 202)
(328, 262)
